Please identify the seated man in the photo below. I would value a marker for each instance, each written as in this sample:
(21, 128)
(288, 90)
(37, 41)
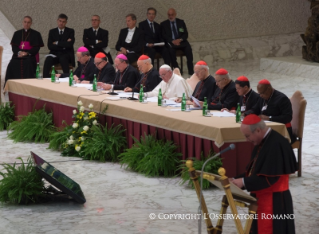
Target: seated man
(150, 77)
(172, 85)
(273, 106)
(25, 45)
(247, 97)
(267, 177)
(175, 34)
(153, 34)
(131, 40)
(225, 95)
(96, 39)
(206, 85)
(85, 70)
(126, 75)
(104, 71)
(60, 44)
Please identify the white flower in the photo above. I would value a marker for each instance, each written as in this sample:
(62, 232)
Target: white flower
(71, 137)
(78, 148)
(75, 125)
(70, 142)
(80, 103)
(91, 106)
(94, 122)
(85, 118)
(86, 128)
(82, 108)
(74, 112)
(82, 138)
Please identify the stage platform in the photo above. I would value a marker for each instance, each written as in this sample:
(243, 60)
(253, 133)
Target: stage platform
(290, 66)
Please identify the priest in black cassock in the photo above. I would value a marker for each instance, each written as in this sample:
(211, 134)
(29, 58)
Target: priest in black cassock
(86, 68)
(225, 95)
(150, 77)
(104, 71)
(247, 96)
(126, 75)
(273, 106)
(25, 44)
(267, 177)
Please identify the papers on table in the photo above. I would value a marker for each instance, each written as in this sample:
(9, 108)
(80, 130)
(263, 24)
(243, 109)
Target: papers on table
(179, 109)
(123, 94)
(88, 86)
(66, 79)
(51, 55)
(222, 114)
(196, 102)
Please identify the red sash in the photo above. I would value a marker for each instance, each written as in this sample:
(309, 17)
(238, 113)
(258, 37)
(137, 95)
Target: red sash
(265, 204)
(288, 125)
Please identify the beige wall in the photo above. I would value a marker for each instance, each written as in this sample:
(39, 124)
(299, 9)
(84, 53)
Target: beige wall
(206, 19)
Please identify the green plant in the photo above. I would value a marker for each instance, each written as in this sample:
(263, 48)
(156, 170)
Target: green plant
(37, 126)
(211, 167)
(58, 138)
(105, 144)
(20, 184)
(6, 115)
(151, 157)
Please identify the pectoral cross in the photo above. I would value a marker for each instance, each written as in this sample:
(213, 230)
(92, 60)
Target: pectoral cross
(22, 46)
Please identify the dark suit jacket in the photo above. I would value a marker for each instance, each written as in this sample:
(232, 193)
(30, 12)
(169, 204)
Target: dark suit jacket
(129, 79)
(251, 99)
(167, 31)
(205, 88)
(228, 98)
(63, 46)
(107, 74)
(149, 36)
(88, 70)
(89, 39)
(136, 44)
(151, 82)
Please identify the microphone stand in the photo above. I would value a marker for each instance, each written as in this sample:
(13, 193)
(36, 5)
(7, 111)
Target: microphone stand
(112, 91)
(230, 147)
(133, 98)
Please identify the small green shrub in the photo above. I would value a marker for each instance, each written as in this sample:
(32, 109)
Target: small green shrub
(37, 127)
(6, 115)
(105, 144)
(20, 184)
(211, 167)
(151, 157)
(58, 138)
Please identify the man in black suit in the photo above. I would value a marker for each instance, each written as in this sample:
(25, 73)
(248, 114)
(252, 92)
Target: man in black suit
(152, 34)
(96, 39)
(60, 43)
(126, 75)
(175, 34)
(131, 40)
(104, 71)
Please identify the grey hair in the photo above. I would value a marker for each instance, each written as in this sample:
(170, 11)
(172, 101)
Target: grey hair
(166, 67)
(85, 53)
(204, 66)
(260, 125)
(149, 60)
(227, 76)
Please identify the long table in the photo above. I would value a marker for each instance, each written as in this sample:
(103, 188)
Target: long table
(191, 131)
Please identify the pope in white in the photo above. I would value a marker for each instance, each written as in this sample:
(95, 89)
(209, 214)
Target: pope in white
(172, 85)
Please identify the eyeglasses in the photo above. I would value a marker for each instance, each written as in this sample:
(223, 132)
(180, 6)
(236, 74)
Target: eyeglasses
(163, 75)
(217, 81)
(95, 20)
(97, 64)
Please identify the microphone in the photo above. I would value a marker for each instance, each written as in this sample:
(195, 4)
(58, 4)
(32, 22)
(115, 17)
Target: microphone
(133, 98)
(230, 147)
(112, 91)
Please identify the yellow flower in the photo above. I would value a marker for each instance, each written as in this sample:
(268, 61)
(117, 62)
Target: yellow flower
(92, 115)
(84, 132)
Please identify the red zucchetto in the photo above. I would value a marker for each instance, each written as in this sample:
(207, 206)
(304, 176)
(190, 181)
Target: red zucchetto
(251, 119)
(143, 57)
(264, 81)
(242, 78)
(201, 62)
(100, 55)
(221, 71)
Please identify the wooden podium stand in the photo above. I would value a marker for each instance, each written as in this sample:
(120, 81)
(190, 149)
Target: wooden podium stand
(233, 197)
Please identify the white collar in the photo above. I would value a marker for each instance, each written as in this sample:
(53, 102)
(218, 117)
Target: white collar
(149, 22)
(95, 29)
(132, 30)
(267, 132)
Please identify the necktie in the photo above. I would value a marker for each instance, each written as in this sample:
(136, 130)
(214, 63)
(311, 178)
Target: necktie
(151, 24)
(61, 33)
(95, 33)
(174, 31)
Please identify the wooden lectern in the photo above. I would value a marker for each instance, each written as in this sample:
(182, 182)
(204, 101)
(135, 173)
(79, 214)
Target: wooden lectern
(234, 197)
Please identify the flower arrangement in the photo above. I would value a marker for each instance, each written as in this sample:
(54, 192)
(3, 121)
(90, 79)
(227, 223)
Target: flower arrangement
(79, 131)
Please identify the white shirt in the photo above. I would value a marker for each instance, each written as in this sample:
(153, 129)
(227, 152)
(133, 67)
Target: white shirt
(174, 88)
(130, 35)
(97, 30)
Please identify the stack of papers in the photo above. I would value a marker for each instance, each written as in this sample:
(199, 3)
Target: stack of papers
(222, 114)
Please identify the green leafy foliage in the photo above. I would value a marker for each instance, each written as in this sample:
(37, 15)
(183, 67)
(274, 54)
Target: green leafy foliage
(20, 184)
(58, 138)
(37, 126)
(151, 157)
(105, 144)
(211, 167)
(6, 115)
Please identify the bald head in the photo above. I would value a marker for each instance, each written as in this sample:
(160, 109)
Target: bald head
(171, 13)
